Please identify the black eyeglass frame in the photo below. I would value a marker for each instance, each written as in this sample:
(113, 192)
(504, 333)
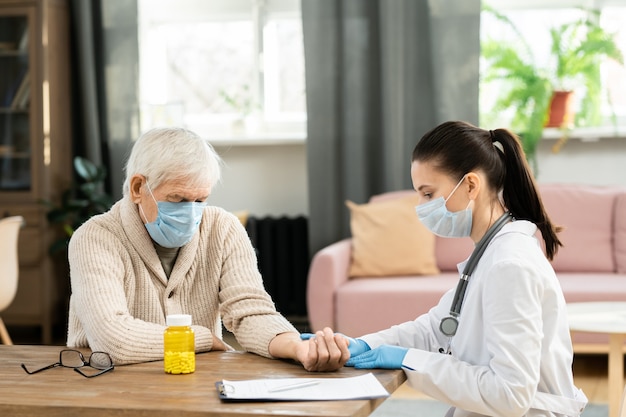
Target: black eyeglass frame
(76, 368)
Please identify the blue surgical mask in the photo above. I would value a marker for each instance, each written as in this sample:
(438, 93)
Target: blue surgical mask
(442, 222)
(176, 223)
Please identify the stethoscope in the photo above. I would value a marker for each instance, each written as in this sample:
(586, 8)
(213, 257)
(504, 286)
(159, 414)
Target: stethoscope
(450, 324)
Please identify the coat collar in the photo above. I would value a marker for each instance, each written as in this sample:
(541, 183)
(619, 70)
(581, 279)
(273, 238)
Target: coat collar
(143, 244)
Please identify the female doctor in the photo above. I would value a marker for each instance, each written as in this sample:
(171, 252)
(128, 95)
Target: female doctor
(498, 344)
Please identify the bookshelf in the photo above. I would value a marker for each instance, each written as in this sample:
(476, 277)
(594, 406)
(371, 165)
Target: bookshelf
(14, 104)
(35, 150)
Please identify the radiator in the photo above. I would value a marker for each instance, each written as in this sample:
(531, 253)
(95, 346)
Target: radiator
(282, 246)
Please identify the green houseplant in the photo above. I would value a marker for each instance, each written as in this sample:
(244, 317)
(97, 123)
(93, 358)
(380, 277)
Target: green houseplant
(82, 200)
(578, 48)
(242, 103)
(527, 88)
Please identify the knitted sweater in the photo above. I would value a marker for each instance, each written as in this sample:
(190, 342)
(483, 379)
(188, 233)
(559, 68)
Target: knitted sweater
(121, 295)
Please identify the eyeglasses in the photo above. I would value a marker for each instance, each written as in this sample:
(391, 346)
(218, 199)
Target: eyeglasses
(70, 358)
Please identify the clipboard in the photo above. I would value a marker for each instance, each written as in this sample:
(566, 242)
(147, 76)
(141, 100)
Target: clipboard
(224, 389)
(302, 389)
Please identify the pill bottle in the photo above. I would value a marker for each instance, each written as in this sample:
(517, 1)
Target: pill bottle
(179, 345)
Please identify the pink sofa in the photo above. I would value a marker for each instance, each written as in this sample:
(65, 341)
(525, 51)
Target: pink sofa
(591, 266)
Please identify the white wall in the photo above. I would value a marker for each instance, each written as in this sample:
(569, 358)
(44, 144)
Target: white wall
(271, 179)
(266, 180)
(602, 162)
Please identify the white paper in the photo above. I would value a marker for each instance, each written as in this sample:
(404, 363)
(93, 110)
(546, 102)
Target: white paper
(277, 389)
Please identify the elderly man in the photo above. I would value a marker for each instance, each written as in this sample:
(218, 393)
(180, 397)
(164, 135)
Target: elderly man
(162, 250)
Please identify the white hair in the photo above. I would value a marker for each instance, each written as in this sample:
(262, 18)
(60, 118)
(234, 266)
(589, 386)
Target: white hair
(169, 153)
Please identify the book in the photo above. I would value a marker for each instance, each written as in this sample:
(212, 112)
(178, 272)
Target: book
(302, 389)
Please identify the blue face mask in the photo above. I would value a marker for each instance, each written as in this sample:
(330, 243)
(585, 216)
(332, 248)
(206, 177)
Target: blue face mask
(176, 223)
(442, 222)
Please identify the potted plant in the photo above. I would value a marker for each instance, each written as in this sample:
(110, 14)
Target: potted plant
(79, 202)
(243, 104)
(577, 49)
(527, 89)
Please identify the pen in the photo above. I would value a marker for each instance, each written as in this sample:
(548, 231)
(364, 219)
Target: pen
(294, 386)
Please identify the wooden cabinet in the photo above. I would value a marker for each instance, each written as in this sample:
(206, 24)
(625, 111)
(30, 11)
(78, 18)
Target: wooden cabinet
(35, 150)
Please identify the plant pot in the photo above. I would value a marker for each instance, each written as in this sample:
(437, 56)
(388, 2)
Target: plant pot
(561, 109)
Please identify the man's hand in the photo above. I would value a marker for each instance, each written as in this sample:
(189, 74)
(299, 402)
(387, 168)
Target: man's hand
(219, 344)
(326, 351)
(355, 346)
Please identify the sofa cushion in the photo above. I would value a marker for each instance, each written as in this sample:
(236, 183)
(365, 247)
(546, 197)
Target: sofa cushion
(579, 287)
(367, 305)
(388, 239)
(620, 233)
(586, 214)
(450, 251)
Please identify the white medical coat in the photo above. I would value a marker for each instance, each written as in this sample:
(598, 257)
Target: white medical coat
(512, 341)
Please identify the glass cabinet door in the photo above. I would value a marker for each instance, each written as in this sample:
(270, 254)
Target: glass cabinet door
(15, 145)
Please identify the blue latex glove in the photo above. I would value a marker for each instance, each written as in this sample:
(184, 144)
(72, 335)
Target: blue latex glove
(356, 346)
(385, 356)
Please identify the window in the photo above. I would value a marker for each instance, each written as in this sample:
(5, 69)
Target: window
(534, 18)
(222, 68)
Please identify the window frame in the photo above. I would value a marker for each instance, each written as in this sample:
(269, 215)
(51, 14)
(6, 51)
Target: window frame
(585, 134)
(288, 127)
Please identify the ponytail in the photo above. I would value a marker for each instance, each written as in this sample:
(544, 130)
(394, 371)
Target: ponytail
(499, 154)
(520, 192)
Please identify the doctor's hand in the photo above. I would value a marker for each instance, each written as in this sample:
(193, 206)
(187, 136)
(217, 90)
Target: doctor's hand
(356, 346)
(385, 356)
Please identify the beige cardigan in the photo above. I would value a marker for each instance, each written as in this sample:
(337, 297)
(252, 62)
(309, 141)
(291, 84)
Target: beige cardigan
(121, 295)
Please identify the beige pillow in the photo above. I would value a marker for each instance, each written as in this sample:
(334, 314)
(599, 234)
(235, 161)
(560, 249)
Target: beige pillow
(242, 215)
(388, 239)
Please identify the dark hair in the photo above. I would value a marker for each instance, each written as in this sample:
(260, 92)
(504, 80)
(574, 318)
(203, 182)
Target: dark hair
(457, 147)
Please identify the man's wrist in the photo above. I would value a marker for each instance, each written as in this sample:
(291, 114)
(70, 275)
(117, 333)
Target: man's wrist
(285, 345)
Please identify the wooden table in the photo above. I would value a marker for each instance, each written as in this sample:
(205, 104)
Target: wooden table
(605, 317)
(145, 390)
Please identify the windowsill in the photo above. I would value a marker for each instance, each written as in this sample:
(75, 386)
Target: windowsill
(587, 134)
(265, 139)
